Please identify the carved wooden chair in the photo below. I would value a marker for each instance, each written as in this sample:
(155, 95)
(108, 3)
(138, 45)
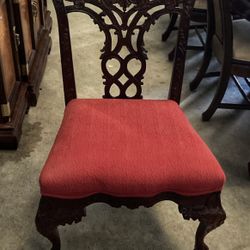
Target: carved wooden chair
(124, 151)
(199, 17)
(229, 41)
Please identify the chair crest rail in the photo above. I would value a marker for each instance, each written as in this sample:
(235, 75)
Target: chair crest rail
(122, 22)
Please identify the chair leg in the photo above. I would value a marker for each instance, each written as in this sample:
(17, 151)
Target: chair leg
(202, 71)
(212, 218)
(47, 227)
(54, 212)
(206, 59)
(249, 168)
(211, 215)
(171, 55)
(220, 92)
(173, 19)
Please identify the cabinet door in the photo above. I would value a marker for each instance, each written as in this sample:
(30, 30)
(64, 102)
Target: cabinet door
(29, 19)
(24, 9)
(7, 62)
(23, 22)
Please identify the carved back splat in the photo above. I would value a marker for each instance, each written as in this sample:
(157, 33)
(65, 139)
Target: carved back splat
(127, 18)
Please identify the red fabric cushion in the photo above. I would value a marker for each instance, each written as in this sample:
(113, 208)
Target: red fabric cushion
(128, 148)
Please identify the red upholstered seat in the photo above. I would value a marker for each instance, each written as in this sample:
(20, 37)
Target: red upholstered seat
(128, 148)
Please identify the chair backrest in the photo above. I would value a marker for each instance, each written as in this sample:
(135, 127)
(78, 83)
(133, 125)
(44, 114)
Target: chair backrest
(128, 18)
(220, 15)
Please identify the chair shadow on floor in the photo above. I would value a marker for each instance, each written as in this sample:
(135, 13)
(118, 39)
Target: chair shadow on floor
(118, 229)
(107, 228)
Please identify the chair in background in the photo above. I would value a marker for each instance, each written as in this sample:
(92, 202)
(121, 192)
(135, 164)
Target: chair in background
(230, 43)
(123, 151)
(199, 16)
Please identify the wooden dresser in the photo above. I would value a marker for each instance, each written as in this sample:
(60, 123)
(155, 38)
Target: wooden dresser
(25, 43)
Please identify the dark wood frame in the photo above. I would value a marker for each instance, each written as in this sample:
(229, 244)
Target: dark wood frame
(207, 52)
(26, 92)
(10, 128)
(52, 211)
(223, 49)
(14, 39)
(199, 16)
(33, 6)
(11, 100)
(41, 49)
(66, 53)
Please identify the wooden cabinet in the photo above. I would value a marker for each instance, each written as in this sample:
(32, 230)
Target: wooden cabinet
(8, 62)
(25, 42)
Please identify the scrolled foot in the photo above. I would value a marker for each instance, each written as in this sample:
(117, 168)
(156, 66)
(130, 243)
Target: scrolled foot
(210, 220)
(48, 229)
(54, 212)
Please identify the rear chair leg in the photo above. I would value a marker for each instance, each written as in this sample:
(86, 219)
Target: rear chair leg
(207, 53)
(171, 55)
(220, 92)
(171, 27)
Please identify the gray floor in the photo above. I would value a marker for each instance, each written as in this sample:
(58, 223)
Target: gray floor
(160, 227)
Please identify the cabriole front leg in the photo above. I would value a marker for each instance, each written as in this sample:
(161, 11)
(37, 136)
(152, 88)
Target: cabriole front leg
(53, 212)
(211, 215)
(46, 225)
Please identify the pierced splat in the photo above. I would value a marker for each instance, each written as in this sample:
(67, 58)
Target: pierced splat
(127, 20)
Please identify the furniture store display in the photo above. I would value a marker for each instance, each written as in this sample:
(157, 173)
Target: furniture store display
(229, 41)
(121, 150)
(24, 46)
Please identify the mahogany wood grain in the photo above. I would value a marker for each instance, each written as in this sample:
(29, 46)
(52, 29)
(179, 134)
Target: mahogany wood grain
(25, 62)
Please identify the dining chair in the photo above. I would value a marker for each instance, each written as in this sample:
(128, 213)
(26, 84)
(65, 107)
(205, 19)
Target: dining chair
(199, 17)
(230, 43)
(122, 150)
